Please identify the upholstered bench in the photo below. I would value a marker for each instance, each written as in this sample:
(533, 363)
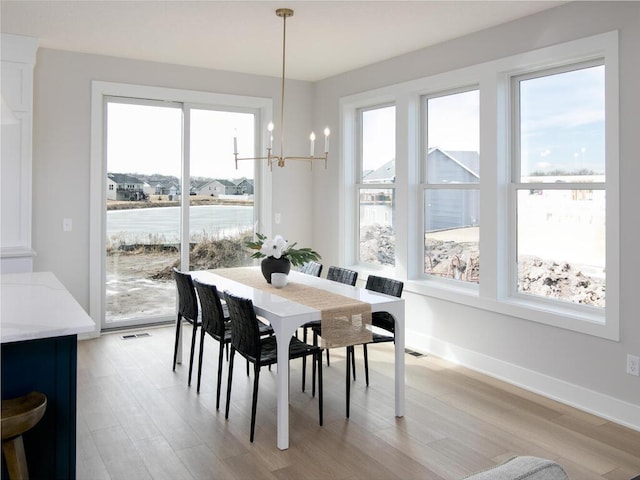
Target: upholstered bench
(523, 468)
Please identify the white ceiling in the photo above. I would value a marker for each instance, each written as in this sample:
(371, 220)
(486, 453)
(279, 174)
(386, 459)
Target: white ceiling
(324, 38)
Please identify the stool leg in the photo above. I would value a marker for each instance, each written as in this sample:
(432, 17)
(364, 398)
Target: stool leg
(15, 458)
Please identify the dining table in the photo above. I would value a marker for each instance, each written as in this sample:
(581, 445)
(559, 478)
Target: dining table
(286, 316)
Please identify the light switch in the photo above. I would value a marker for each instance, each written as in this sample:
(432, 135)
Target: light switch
(278, 219)
(67, 225)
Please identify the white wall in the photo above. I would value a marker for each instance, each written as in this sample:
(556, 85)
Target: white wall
(580, 369)
(61, 150)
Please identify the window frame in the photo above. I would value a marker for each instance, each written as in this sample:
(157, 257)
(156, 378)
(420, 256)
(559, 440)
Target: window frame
(496, 207)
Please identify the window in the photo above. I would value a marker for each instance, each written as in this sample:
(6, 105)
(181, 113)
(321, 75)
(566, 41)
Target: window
(559, 183)
(542, 129)
(451, 166)
(376, 185)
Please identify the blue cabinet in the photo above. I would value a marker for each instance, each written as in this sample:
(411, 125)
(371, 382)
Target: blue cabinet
(47, 365)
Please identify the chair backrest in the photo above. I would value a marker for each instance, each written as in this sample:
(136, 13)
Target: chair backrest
(388, 286)
(187, 300)
(342, 275)
(211, 307)
(245, 333)
(311, 268)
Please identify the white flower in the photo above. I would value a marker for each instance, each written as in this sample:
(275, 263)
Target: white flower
(275, 247)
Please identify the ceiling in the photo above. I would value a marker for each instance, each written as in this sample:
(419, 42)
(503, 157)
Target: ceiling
(324, 38)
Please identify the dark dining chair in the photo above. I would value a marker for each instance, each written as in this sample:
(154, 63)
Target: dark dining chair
(187, 310)
(336, 274)
(261, 351)
(342, 275)
(382, 320)
(311, 268)
(215, 323)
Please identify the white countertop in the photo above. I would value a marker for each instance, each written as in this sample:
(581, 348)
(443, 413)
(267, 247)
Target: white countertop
(36, 305)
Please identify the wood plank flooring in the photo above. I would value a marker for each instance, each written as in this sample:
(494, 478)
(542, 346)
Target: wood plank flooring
(139, 420)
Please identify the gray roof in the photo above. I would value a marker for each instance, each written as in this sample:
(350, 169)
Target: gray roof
(384, 174)
(468, 159)
(123, 178)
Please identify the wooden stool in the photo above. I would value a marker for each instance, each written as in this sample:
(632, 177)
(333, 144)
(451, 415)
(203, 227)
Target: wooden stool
(18, 416)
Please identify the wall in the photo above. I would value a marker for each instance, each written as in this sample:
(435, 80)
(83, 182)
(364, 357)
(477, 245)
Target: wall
(579, 369)
(61, 150)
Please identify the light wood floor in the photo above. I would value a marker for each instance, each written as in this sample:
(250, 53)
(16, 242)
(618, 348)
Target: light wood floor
(138, 420)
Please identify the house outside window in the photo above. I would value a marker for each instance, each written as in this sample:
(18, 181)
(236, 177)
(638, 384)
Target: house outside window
(376, 185)
(451, 178)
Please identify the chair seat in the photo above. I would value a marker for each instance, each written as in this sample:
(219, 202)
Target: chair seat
(22, 414)
(269, 354)
(381, 338)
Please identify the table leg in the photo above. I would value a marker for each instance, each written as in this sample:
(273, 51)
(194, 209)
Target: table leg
(283, 338)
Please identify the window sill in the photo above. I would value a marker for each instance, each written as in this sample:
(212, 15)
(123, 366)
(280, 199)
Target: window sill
(590, 323)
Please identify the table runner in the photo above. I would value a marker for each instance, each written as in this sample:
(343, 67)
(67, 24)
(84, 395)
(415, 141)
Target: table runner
(345, 321)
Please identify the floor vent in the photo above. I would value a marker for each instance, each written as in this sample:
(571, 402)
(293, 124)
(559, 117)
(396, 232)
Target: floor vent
(131, 336)
(415, 354)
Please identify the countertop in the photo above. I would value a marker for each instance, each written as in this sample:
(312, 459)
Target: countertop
(36, 305)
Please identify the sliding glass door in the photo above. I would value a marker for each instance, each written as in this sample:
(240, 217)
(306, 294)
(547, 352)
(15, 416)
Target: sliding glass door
(171, 188)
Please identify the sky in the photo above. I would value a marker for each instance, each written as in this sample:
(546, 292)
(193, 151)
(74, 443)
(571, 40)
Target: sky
(147, 140)
(562, 118)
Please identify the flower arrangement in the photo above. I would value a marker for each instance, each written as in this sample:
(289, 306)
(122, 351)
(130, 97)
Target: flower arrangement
(278, 247)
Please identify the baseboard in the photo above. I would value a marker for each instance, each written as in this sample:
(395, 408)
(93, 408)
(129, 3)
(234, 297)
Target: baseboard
(605, 406)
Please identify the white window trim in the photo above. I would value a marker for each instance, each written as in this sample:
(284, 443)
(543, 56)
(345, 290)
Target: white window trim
(99, 90)
(494, 80)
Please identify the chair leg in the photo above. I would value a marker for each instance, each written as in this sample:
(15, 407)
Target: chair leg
(318, 359)
(328, 361)
(15, 458)
(366, 363)
(313, 367)
(230, 377)
(193, 349)
(304, 359)
(175, 348)
(200, 357)
(353, 360)
(348, 384)
(219, 375)
(254, 404)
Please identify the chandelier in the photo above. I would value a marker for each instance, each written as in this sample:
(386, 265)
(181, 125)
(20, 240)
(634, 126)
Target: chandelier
(280, 159)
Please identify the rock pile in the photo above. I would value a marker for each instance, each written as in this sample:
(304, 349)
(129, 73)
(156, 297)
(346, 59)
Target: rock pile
(461, 260)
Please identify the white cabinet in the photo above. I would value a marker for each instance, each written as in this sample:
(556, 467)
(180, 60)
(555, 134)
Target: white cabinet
(18, 55)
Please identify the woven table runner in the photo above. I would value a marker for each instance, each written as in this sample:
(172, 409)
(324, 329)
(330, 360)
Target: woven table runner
(345, 321)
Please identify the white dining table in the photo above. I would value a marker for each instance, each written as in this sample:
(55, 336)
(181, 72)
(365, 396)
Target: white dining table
(287, 316)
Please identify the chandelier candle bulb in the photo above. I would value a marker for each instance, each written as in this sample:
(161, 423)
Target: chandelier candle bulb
(270, 130)
(326, 139)
(312, 150)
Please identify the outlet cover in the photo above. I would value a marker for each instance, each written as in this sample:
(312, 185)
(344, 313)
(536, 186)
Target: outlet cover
(633, 365)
